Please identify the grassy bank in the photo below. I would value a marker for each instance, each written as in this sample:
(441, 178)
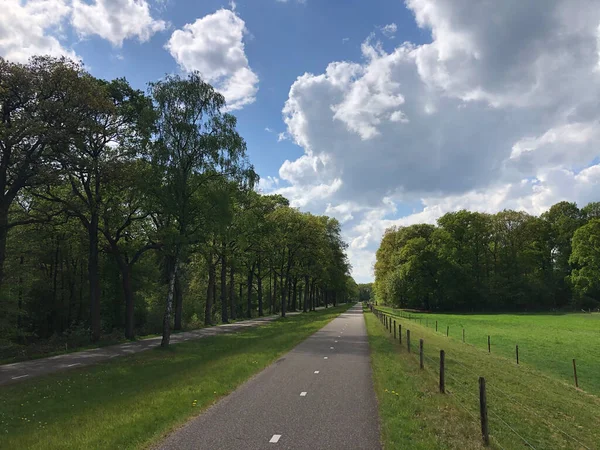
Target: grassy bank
(411, 413)
(131, 402)
(526, 407)
(548, 342)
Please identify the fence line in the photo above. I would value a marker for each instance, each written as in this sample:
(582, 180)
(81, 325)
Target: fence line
(409, 317)
(461, 402)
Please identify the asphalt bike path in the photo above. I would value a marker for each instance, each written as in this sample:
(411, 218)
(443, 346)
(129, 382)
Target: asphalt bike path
(318, 396)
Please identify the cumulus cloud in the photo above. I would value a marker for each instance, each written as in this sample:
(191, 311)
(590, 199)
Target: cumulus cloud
(214, 46)
(36, 27)
(33, 27)
(499, 110)
(115, 20)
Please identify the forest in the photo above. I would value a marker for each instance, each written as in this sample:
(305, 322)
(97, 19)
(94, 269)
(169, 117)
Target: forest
(127, 213)
(509, 261)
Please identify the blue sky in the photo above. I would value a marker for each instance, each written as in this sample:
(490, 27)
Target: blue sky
(392, 112)
(284, 41)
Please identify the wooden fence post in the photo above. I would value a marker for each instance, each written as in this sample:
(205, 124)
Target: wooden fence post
(436, 325)
(575, 374)
(394, 329)
(448, 331)
(442, 375)
(483, 412)
(517, 350)
(421, 353)
(489, 346)
(408, 340)
(463, 335)
(400, 332)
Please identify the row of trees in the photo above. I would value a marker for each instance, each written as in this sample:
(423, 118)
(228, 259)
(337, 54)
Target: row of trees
(137, 212)
(511, 260)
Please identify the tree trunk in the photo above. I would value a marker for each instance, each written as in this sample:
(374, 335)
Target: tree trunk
(3, 237)
(209, 293)
(166, 337)
(250, 276)
(224, 318)
(284, 294)
(232, 302)
(295, 295)
(260, 292)
(326, 296)
(94, 278)
(178, 303)
(306, 286)
(129, 306)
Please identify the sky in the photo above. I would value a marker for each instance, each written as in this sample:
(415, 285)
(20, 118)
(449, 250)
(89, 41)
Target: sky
(378, 113)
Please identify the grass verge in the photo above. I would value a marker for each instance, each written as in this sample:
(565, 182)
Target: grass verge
(527, 408)
(412, 413)
(134, 401)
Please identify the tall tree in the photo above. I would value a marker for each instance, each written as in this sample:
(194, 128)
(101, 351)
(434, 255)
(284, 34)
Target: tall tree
(196, 142)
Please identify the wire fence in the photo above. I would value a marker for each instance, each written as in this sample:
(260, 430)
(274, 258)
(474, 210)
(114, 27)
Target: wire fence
(462, 392)
(518, 353)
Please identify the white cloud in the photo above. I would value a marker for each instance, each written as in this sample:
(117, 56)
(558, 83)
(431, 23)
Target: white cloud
(500, 110)
(389, 30)
(115, 20)
(214, 46)
(33, 27)
(344, 40)
(267, 184)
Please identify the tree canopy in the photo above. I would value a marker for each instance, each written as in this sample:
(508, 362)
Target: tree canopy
(511, 260)
(131, 212)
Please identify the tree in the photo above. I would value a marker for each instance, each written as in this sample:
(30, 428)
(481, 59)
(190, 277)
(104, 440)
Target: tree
(195, 144)
(585, 258)
(39, 106)
(110, 132)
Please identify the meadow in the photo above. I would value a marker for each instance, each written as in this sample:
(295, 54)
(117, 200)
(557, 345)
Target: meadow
(548, 342)
(531, 405)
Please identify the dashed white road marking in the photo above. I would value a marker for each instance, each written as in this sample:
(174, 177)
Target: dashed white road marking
(275, 439)
(331, 348)
(335, 341)
(71, 365)
(302, 394)
(316, 371)
(20, 376)
(325, 357)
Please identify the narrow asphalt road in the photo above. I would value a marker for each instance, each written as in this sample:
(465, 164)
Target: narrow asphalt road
(318, 396)
(20, 371)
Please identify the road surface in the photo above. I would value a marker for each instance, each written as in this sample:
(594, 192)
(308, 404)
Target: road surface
(318, 396)
(20, 371)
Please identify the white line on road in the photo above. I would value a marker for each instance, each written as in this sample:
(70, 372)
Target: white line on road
(316, 371)
(325, 357)
(71, 365)
(302, 394)
(275, 439)
(331, 348)
(20, 376)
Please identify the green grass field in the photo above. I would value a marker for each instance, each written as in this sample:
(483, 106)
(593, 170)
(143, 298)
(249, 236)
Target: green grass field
(541, 405)
(547, 342)
(133, 401)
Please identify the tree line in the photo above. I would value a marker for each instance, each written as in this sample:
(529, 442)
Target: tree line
(511, 260)
(137, 212)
